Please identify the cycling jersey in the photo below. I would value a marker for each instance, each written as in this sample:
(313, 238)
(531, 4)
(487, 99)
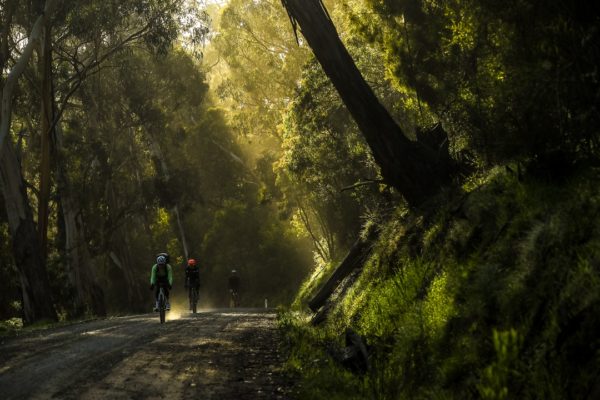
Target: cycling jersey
(192, 274)
(161, 274)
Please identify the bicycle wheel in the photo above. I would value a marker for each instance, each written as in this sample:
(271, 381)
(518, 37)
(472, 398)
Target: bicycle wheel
(194, 300)
(162, 306)
(235, 301)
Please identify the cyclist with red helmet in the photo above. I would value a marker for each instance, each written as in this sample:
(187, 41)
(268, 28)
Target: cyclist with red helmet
(192, 278)
(161, 276)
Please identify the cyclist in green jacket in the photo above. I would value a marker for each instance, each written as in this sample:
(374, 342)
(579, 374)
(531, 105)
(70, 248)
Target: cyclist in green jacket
(161, 276)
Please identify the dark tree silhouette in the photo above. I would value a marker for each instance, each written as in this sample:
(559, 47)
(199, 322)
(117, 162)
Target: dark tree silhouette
(418, 169)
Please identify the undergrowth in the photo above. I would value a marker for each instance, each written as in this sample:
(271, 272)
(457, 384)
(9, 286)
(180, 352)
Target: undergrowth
(15, 326)
(495, 295)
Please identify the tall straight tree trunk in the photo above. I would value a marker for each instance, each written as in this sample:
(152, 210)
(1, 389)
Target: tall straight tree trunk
(165, 171)
(120, 253)
(186, 251)
(13, 76)
(35, 286)
(416, 169)
(121, 257)
(47, 117)
(88, 293)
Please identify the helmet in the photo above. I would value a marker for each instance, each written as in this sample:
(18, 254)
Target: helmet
(191, 262)
(165, 255)
(161, 260)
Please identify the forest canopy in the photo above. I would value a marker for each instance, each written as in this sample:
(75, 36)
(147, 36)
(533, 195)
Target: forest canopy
(224, 131)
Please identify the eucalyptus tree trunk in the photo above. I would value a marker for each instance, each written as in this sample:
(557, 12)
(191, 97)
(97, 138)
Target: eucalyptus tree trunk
(120, 254)
(35, 286)
(10, 83)
(165, 171)
(89, 296)
(46, 133)
(417, 169)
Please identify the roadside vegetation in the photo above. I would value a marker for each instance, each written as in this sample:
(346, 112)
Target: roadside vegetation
(495, 295)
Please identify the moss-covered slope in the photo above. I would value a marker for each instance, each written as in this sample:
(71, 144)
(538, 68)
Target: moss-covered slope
(494, 295)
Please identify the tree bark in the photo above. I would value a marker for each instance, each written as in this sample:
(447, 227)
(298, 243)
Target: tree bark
(89, 296)
(416, 169)
(35, 286)
(4, 34)
(46, 133)
(186, 252)
(165, 171)
(119, 252)
(17, 70)
(355, 258)
(135, 299)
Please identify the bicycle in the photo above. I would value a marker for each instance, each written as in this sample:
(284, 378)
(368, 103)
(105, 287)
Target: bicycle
(235, 299)
(162, 304)
(193, 297)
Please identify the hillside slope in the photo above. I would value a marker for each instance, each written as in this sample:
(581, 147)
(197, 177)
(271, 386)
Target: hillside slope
(494, 295)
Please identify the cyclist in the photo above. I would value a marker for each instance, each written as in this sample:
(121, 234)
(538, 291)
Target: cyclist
(192, 278)
(234, 288)
(161, 276)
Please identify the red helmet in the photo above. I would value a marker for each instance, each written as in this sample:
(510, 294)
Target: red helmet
(191, 262)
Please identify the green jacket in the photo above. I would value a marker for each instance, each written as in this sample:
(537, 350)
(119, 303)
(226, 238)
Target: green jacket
(169, 274)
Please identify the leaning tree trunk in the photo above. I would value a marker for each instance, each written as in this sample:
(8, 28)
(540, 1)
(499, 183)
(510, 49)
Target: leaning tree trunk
(416, 169)
(35, 286)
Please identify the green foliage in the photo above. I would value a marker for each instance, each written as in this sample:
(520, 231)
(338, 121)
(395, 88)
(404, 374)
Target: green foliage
(10, 326)
(309, 287)
(495, 295)
(309, 359)
(263, 65)
(508, 80)
(244, 237)
(495, 377)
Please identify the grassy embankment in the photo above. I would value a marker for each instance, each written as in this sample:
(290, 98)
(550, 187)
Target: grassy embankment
(494, 295)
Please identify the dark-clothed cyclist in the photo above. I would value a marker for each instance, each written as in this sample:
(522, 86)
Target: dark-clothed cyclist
(234, 288)
(192, 278)
(161, 276)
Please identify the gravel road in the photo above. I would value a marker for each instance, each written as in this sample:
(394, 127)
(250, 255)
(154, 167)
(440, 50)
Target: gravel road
(218, 354)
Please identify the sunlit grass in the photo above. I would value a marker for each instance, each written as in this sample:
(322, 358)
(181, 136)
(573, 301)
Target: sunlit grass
(446, 303)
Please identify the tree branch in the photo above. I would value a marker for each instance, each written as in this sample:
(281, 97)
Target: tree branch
(18, 69)
(362, 183)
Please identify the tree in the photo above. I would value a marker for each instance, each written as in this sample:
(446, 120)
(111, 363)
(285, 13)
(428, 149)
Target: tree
(417, 169)
(261, 66)
(90, 34)
(35, 288)
(511, 81)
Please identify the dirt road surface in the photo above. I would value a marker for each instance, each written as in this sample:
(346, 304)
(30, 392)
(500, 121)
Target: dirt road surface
(219, 354)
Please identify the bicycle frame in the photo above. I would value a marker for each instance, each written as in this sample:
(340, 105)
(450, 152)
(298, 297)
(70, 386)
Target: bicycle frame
(193, 298)
(162, 304)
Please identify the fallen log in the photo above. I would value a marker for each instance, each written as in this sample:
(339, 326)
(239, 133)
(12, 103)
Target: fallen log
(354, 259)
